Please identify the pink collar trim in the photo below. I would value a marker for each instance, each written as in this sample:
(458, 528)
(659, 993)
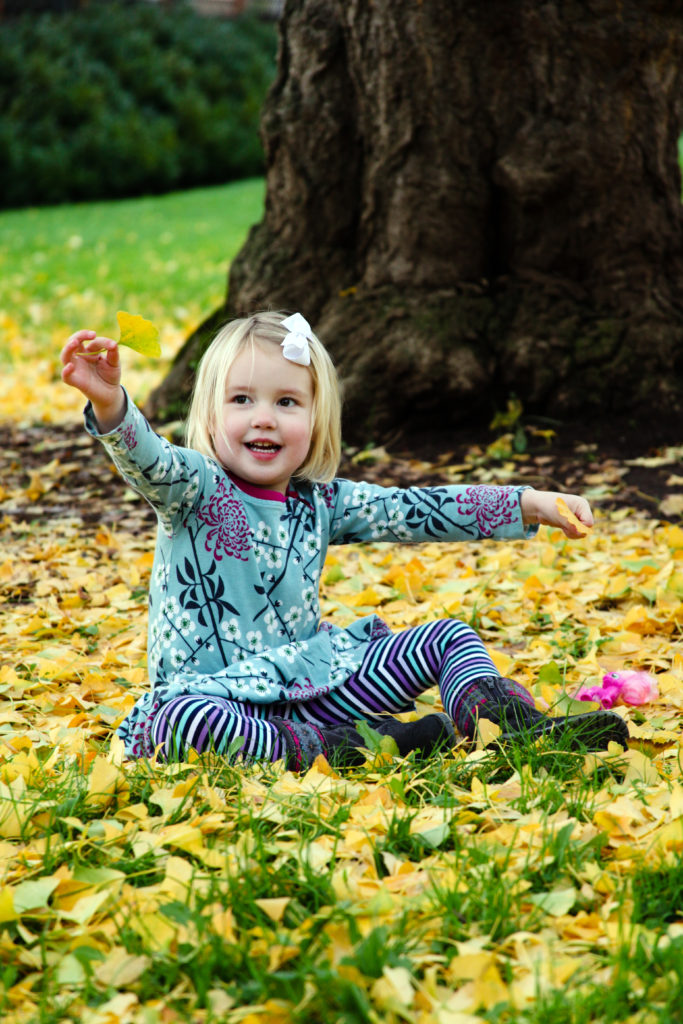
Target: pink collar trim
(261, 492)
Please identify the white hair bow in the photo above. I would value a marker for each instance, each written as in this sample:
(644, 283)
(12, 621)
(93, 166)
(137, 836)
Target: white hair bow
(295, 344)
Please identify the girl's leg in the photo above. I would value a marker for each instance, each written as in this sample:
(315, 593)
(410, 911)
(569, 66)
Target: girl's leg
(213, 723)
(397, 668)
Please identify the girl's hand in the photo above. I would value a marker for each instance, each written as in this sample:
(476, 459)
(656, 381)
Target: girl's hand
(540, 507)
(92, 364)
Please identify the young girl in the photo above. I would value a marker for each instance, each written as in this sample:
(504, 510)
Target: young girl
(236, 650)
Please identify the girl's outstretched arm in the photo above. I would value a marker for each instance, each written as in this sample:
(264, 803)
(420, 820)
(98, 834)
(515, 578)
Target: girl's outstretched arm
(92, 364)
(541, 507)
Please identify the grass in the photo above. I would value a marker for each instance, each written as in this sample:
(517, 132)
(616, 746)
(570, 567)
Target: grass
(166, 255)
(397, 892)
(205, 939)
(65, 267)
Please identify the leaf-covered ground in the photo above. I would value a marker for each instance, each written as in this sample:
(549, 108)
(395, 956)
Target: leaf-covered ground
(521, 885)
(530, 884)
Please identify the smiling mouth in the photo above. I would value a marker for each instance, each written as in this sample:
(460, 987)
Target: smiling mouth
(263, 446)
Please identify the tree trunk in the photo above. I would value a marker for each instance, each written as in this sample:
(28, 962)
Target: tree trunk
(469, 200)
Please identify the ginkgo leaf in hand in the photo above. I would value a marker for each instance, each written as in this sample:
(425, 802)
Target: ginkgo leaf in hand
(567, 514)
(139, 334)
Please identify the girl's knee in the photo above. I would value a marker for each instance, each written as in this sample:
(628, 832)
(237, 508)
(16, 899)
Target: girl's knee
(457, 631)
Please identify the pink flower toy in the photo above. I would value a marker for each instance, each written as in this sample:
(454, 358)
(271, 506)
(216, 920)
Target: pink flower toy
(629, 687)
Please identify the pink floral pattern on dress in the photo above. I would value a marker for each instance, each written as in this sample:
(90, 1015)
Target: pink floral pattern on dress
(304, 690)
(491, 506)
(328, 494)
(228, 527)
(141, 744)
(379, 629)
(128, 437)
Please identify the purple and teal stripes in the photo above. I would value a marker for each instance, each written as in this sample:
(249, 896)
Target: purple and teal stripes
(395, 671)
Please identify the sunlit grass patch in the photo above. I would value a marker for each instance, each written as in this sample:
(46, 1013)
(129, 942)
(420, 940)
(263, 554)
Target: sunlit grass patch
(220, 891)
(65, 267)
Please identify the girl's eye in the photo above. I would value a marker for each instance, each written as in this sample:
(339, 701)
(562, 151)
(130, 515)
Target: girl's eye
(240, 399)
(287, 402)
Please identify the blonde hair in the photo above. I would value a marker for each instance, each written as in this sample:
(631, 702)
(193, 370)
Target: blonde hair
(208, 396)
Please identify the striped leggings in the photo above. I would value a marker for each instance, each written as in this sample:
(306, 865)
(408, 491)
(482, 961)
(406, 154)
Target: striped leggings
(395, 670)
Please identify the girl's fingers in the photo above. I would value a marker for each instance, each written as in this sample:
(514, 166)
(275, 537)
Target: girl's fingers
(580, 507)
(89, 341)
(79, 338)
(585, 513)
(81, 335)
(91, 348)
(109, 346)
(98, 342)
(76, 342)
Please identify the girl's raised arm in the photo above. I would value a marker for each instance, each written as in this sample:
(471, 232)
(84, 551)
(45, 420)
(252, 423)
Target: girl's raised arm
(92, 364)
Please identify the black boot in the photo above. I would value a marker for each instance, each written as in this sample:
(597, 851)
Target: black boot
(426, 735)
(510, 706)
(343, 745)
(339, 744)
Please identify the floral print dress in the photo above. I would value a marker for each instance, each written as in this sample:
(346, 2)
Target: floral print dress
(233, 601)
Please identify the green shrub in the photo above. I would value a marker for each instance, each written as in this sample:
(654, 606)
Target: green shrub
(116, 100)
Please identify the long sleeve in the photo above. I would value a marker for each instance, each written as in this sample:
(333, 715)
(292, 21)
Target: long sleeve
(365, 512)
(167, 476)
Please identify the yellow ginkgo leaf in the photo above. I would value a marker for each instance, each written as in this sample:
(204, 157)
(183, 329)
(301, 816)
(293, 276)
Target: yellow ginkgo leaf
(566, 513)
(139, 334)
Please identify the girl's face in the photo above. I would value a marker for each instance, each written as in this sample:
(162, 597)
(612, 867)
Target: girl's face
(267, 418)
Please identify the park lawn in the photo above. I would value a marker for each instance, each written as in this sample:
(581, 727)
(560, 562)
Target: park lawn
(65, 267)
(527, 885)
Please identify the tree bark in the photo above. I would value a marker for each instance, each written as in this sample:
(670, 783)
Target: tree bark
(469, 200)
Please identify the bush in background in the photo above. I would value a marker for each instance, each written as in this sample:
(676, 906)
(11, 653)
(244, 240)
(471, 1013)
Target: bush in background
(117, 100)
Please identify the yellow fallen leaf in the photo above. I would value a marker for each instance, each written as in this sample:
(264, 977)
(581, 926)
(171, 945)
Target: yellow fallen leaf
(121, 968)
(567, 514)
(139, 334)
(104, 780)
(394, 989)
(223, 924)
(487, 732)
(489, 989)
(33, 895)
(557, 902)
(469, 966)
(502, 661)
(672, 505)
(7, 911)
(668, 837)
(368, 596)
(116, 1010)
(640, 768)
(273, 906)
(85, 908)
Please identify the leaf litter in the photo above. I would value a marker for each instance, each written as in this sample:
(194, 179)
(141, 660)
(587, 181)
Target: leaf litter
(446, 892)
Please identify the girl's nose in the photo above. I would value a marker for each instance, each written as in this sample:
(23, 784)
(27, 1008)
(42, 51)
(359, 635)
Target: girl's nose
(262, 416)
